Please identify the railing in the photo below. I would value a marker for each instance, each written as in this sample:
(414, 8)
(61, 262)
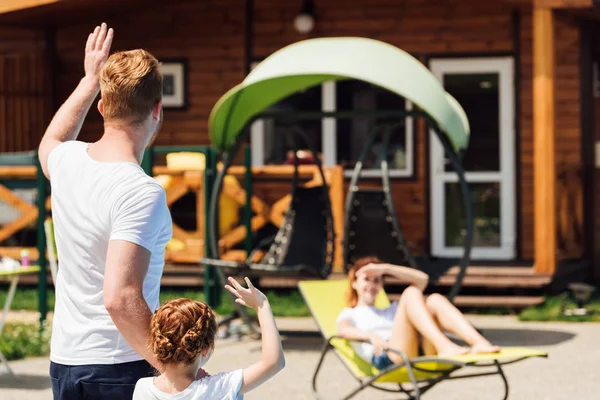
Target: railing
(21, 170)
(186, 246)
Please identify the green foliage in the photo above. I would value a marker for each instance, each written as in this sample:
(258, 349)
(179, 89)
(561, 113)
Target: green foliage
(26, 299)
(553, 310)
(19, 340)
(289, 304)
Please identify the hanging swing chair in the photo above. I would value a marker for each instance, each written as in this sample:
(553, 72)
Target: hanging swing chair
(301, 66)
(304, 243)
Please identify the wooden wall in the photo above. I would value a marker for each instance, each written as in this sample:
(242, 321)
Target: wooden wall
(23, 89)
(596, 138)
(569, 163)
(211, 35)
(208, 33)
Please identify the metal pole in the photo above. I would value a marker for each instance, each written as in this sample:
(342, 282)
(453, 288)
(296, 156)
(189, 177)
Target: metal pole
(148, 161)
(212, 288)
(41, 243)
(248, 206)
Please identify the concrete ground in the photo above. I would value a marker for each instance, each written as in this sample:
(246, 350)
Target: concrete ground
(570, 372)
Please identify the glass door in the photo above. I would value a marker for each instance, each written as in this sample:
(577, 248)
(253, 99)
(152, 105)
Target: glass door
(485, 89)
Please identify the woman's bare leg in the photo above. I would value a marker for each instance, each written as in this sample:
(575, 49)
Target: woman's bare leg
(404, 336)
(413, 316)
(451, 319)
(428, 347)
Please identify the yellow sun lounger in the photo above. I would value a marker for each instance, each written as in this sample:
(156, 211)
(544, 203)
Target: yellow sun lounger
(325, 300)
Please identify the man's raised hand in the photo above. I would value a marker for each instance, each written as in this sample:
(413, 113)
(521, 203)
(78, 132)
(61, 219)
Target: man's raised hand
(97, 49)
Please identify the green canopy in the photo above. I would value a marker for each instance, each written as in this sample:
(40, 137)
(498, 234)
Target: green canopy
(311, 62)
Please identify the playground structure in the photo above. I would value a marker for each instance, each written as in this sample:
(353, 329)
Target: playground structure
(22, 171)
(187, 170)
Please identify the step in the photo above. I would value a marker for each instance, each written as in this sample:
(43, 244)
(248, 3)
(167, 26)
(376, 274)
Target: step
(492, 301)
(498, 301)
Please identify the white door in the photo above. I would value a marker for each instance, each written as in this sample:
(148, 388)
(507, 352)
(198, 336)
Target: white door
(485, 89)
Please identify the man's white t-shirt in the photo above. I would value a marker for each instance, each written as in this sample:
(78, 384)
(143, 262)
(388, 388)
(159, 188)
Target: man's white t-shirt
(370, 319)
(93, 203)
(223, 386)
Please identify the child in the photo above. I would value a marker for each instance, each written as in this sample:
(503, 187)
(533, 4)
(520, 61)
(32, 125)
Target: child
(183, 339)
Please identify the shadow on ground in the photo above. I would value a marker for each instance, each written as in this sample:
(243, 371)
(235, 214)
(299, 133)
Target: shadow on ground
(23, 381)
(501, 337)
(526, 337)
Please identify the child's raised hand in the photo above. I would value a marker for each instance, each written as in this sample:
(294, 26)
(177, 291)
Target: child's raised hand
(251, 297)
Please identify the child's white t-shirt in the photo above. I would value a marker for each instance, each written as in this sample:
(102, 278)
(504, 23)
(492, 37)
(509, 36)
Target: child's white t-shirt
(223, 386)
(370, 319)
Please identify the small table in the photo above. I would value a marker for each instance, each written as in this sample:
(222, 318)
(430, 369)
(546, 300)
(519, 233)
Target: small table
(14, 281)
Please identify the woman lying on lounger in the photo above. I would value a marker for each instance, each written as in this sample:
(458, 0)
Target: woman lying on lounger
(398, 327)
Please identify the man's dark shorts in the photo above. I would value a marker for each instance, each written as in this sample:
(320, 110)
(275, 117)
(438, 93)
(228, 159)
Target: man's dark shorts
(115, 381)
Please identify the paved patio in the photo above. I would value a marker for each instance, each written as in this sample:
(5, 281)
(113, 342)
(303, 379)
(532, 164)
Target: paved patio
(570, 372)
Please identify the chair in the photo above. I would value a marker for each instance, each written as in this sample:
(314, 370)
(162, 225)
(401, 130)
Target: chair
(303, 245)
(414, 377)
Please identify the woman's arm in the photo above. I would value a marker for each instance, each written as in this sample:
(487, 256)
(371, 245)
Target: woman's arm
(416, 278)
(411, 275)
(348, 331)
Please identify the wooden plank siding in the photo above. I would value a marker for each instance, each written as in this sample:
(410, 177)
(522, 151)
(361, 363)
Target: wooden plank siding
(211, 36)
(23, 115)
(208, 34)
(568, 155)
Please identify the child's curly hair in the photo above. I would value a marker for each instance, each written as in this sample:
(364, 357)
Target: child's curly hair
(182, 329)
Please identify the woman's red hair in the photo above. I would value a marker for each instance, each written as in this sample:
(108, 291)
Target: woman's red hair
(351, 295)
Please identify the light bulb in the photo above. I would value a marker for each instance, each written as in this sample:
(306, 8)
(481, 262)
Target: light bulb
(304, 23)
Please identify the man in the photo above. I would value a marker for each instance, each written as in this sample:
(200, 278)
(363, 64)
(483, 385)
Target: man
(111, 225)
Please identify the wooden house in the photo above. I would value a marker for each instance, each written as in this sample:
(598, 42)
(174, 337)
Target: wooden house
(526, 72)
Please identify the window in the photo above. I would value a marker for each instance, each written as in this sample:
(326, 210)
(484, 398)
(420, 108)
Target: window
(340, 141)
(354, 133)
(275, 141)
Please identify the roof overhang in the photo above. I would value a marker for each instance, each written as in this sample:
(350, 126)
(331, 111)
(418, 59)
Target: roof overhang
(8, 6)
(49, 13)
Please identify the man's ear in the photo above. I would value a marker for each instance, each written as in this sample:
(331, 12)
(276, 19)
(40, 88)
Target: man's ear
(101, 107)
(156, 110)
